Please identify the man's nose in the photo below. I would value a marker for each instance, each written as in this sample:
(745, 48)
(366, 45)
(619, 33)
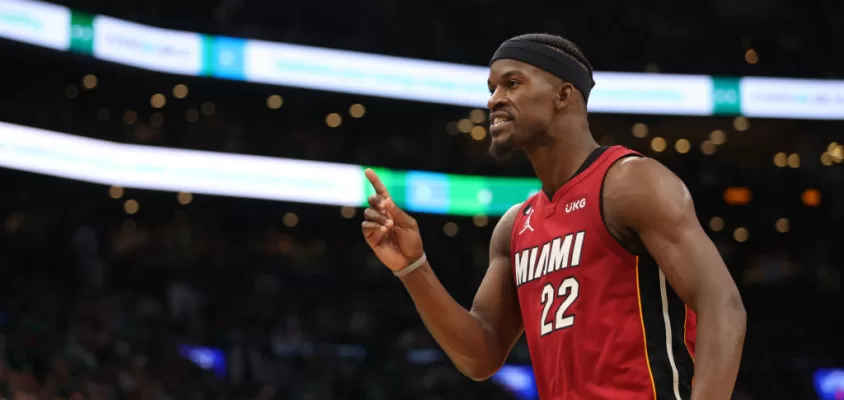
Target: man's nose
(496, 99)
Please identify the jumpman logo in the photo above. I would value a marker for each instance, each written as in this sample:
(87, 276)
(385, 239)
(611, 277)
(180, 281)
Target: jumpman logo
(527, 222)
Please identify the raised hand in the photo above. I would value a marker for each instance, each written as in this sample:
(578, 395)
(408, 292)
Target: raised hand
(391, 233)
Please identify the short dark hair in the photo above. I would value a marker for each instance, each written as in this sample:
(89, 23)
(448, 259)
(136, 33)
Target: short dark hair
(558, 43)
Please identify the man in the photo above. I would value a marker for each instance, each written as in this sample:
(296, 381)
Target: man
(607, 270)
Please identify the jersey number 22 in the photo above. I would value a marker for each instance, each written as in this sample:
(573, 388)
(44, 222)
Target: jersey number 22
(569, 289)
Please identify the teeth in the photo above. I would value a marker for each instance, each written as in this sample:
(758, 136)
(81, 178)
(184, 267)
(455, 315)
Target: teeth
(498, 120)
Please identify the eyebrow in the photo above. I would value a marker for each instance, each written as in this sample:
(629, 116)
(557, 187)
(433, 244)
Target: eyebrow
(504, 75)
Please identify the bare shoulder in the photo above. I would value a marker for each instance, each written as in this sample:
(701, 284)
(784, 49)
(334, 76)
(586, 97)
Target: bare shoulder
(509, 217)
(641, 189)
(500, 243)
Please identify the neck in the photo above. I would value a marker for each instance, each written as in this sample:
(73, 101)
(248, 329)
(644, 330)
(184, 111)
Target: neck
(557, 162)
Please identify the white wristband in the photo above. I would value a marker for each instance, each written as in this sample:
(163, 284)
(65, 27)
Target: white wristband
(412, 267)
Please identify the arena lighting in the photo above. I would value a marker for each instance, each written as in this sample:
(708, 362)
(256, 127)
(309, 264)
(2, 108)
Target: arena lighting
(157, 100)
(478, 133)
(115, 192)
(716, 224)
(751, 57)
(708, 147)
(290, 220)
(811, 197)
(737, 196)
(741, 124)
(89, 81)
(464, 125)
(333, 120)
(130, 117)
(718, 137)
(180, 91)
(782, 225)
(131, 206)
(450, 229)
(195, 54)
(829, 383)
(357, 110)
(740, 234)
(794, 160)
(348, 212)
(184, 198)
(640, 130)
(682, 146)
(274, 102)
(826, 159)
(203, 172)
(478, 116)
(480, 220)
(837, 153)
(208, 108)
(658, 144)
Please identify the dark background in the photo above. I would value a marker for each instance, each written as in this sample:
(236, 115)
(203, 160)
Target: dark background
(96, 300)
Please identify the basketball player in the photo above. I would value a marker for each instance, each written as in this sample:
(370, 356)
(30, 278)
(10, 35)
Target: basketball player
(619, 291)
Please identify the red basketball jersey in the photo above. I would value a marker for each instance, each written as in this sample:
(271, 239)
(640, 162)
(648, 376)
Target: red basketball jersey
(601, 322)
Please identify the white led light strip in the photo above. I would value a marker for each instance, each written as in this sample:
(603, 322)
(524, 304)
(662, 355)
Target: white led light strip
(146, 167)
(191, 53)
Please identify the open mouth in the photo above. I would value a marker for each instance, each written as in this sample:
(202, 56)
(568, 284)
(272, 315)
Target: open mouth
(499, 125)
(499, 120)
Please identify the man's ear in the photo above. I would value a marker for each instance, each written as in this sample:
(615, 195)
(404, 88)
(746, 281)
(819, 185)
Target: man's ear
(565, 95)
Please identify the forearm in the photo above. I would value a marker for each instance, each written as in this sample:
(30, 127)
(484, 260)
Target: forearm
(720, 339)
(460, 334)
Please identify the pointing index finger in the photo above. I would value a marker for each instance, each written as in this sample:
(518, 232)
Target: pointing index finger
(376, 183)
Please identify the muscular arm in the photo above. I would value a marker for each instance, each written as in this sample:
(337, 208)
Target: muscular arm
(477, 341)
(643, 195)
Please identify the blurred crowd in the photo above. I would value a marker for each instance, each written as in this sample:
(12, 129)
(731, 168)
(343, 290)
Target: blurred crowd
(95, 304)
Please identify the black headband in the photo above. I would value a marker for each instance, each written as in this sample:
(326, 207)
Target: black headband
(543, 57)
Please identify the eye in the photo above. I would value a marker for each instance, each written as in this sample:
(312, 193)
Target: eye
(512, 84)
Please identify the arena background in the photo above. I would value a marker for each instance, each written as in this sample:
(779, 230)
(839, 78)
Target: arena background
(146, 253)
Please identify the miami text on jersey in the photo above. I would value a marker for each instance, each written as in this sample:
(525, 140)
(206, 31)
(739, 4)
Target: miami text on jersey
(560, 253)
